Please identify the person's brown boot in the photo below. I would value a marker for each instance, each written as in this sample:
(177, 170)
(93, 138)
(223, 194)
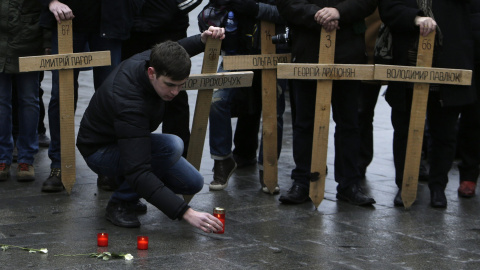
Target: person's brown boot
(25, 172)
(4, 171)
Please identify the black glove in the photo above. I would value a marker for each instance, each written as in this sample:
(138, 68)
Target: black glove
(245, 7)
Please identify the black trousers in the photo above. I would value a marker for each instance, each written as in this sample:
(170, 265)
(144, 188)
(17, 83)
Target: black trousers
(442, 128)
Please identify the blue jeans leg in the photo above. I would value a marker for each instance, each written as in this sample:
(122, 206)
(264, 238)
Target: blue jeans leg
(28, 112)
(6, 139)
(167, 163)
(28, 115)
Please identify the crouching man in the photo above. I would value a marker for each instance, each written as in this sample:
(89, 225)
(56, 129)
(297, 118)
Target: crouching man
(116, 138)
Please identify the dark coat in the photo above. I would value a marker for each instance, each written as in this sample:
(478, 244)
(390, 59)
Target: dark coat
(350, 42)
(456, 51)
(110, 18)
(158, 16)
(20, 33)
(124, 111)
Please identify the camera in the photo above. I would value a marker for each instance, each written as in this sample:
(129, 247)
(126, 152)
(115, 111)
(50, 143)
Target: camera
(282, 38)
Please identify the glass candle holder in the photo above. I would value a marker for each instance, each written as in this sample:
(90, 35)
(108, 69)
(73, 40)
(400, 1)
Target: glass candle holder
(142, 242)
(219, 213)
(102, 239)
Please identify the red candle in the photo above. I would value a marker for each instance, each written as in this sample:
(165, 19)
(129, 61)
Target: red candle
(219, 213)
(142, 242)
(102, 239)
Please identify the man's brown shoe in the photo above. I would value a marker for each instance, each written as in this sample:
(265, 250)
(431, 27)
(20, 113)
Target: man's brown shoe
(25, 172)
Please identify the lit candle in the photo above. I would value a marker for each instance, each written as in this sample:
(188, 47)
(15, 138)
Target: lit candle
(102, 239)
(219, 213)
(142, 242)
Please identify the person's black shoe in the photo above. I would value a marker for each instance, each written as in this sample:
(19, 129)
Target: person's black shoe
(120, 215)
(354, 195)
(137, 207)
(437, 197)
(244, 162)
(53, 182)
(296, 194)
(222, 170)
(106, 183)
(398, 199)
(43, 140)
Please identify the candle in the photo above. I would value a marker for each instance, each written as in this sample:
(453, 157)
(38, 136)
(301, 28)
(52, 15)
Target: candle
(142, 242)
(102, 239)
(219, 213)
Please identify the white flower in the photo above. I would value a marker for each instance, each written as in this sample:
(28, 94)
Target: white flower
(43, 250)
(128, 257)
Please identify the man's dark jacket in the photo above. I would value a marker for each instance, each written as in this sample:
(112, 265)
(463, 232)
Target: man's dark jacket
(456, 51)
(305, 32)
(125, 110)
(109, 18)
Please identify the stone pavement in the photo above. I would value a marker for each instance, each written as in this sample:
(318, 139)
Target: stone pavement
(260, 232)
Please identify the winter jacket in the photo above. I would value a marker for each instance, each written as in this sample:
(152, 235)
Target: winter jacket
(455, 52)
(124, 111)
(305, 32)
(109, 18)
(158, 16)
(20, 33)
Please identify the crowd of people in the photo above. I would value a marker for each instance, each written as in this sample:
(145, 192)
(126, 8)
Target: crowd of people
(150, 56)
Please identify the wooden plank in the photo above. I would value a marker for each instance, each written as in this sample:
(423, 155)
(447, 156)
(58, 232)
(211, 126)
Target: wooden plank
(202, 107)
(269, 109)
(64, 61)
(67, 112)
(322, 120)
(257, 61)
(423, 75)
(325, 71)
(219, 80)
(417, 124)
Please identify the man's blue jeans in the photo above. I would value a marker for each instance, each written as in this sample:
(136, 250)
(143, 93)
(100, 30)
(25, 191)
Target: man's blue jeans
(221, 126)
(81, 43)
(167, 164)
(28, 113)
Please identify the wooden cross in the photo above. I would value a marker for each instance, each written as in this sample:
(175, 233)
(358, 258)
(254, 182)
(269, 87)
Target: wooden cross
(423, 76)
(207, 82)
(266, 61)
(328, 71)
(65, 62)
(324, 73)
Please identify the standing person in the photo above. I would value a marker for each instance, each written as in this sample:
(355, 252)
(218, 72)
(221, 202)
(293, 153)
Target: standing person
(244, 102)
(21, 36)
(115, 135)
(469, 124)
(306, 18)
(158, 21)
(367, 99)
(98, 26)
(453, 48)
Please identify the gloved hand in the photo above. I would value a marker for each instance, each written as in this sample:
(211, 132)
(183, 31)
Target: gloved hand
(245, 7)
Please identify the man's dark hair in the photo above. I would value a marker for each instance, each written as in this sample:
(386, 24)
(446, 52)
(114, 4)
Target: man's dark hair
(170, 59)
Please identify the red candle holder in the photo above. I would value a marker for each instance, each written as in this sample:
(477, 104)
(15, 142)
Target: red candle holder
(142, 242)
(219, 213)
(102, 239)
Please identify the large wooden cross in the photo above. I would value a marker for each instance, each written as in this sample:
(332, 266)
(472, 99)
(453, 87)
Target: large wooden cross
(422, 76)
(206, 82)
(327, 71)
(325, 74)
(65, 61)
(266, 61)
